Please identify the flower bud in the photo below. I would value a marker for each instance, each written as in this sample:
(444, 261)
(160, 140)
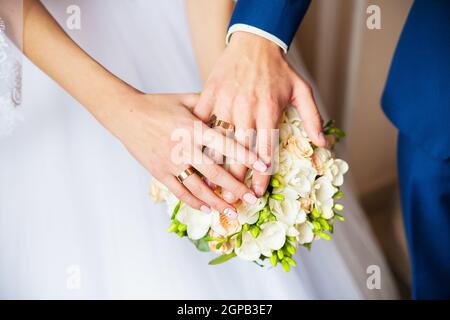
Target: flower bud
(254, 231)
(338, 207)
(182, 227)
(323, 235)
(273, 260)
(276, 196)
(285, 265)
(291, 261)
(173, 227)
(280, 254)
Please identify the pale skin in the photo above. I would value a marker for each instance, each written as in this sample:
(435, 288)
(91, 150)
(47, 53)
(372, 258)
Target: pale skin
(249, 85)
(143, 123)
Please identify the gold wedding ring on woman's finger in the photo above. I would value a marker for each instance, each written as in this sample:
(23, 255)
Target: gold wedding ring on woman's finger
(186, 174)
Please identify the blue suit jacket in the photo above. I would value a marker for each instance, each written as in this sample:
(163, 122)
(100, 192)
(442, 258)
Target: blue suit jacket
(417, 93)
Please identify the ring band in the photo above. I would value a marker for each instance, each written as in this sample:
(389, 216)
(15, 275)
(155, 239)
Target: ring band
(186, 174)
(214, 122)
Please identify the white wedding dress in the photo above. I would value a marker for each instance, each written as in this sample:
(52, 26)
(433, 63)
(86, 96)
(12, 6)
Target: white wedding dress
(75, 217)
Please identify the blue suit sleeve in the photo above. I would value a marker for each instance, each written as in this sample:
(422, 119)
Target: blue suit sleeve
(281, 18)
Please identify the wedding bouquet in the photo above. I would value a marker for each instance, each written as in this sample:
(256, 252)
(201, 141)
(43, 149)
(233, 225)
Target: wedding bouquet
(298, 208)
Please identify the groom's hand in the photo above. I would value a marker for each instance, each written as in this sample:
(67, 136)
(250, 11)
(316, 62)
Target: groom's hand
(249, 87)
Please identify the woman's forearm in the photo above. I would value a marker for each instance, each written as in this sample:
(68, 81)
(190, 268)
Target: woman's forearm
(208, 22)
(47, 45)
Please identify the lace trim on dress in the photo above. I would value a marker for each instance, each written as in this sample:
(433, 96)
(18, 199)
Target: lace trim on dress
(10, 83)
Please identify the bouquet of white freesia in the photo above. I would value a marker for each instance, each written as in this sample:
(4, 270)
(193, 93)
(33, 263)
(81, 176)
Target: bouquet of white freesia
(298, 208)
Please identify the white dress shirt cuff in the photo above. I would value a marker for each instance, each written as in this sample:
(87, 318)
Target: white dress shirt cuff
(247, 28)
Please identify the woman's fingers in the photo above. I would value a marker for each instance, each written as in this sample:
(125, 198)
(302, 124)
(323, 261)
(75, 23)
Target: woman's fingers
(183, 194)
(199, 189)
(232, 149)
(221, 177)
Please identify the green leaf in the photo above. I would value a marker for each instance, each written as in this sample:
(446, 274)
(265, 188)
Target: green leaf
(219, 245)
(223, 258)
(176, 209)
(202, 244)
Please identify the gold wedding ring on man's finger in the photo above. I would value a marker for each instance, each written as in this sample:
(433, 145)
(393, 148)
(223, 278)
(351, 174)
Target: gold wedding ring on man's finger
(186, 174)
(214, 122)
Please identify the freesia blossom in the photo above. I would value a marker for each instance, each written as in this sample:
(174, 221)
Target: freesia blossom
(323, 192)
(272, 237)
(335, 172)
(158, 191)
(248, 213)
(305, 233)
(197, 222)
(320, 158)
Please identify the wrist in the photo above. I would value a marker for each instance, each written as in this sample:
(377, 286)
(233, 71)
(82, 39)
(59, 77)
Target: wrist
(251, 42)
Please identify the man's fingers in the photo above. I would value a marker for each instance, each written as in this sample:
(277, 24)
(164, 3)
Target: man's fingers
(245, 137)
(204, 106)
(306, 106)
(266, 139)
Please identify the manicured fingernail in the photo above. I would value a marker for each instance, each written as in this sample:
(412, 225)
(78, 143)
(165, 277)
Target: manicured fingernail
(229, 197)
(205, 209)
(260, 166)
(258, 190)
(250, 198)
(230, 213)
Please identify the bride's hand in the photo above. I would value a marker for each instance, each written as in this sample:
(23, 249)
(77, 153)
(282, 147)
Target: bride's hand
(166, 138)
(249, 87)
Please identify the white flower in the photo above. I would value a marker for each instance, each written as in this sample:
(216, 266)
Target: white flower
(272, 237)
(158, 191)
(320, 158)
(249, 249)
(299, 146)
(300, 176)
(249, 213)
(287, 211)
(197, 222)
(335, 172)
(322, 195)
(305, 232)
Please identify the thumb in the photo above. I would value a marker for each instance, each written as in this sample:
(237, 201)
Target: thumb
(303, 100)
